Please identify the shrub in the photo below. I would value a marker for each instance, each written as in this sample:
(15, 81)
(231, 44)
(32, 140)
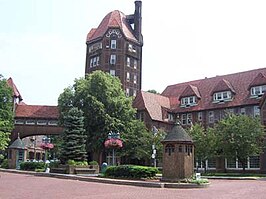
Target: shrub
(32, 166)
(77, 163)
(93, 163)
(131, 171)
(4, 164)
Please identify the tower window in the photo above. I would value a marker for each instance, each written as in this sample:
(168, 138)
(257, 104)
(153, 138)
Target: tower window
(128, 61)
(128, 76)
(113, 59)
(135, 79)
(135, 64)
(113, 44)
(127, 92)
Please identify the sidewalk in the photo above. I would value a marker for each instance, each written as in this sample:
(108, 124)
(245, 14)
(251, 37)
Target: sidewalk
(87, 178)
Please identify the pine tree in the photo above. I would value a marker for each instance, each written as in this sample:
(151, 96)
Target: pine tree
(74, 138)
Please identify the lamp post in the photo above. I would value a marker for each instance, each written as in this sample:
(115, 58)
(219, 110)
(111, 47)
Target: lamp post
(153, 155)
(113, 141)
(46, 145)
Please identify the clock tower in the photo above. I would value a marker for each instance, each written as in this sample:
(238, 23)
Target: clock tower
(115, 47)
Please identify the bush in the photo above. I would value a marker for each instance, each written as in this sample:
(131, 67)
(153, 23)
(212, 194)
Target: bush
(32, 166)
(77, 163)
(131, 171)
(93, 163)
(4, 164)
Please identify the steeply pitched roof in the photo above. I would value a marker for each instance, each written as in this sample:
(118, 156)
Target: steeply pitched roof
(223, 85)
(16, 93)
(36, 111)
(190, 90)
(114, 19)
(153, 103)
(17, 144)
(260, 79)
(239, 82)
(177, 134)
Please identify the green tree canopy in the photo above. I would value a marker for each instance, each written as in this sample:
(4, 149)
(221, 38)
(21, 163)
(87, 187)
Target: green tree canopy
(204, 142)
(106, 108)
(240, 136)
(6, 113)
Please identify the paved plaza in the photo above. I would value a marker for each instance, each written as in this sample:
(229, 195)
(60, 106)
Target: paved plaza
(21, 186)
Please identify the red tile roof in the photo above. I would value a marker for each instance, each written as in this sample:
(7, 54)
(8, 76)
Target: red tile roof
(259, 80)
(115, 19)
(36, 111)
(223, 85)
(153, 103)
(16, 93)
(190, 91)
(239, 82)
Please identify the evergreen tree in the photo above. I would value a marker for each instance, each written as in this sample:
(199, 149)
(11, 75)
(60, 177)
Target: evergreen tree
(74, 139)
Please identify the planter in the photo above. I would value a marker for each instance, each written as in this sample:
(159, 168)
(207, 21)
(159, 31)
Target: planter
(76, 169)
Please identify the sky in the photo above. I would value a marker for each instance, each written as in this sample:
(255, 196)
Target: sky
(43, 42)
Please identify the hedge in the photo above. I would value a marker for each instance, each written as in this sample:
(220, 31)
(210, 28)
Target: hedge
(131, 171)
(32, 166)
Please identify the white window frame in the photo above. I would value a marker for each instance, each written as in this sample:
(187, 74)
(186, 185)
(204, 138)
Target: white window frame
(238, 165)
(199, 116)
(191, 100)
(30, 122)
(113, 59)
(135, 79)
(41, 122)
(97, 60)
(113, 44)
(184, 119)
(128, 76)
(257, 90)
(53, 123)
(127, 92)
(134, 93)
(170, 117)
(19, 121)
(135, 64)
(222, 96)
(243, 111)
(128, 61)
(189, 118)
(91, 62)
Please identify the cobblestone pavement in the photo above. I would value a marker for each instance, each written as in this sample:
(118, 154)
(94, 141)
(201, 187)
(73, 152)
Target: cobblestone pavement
(21, 186)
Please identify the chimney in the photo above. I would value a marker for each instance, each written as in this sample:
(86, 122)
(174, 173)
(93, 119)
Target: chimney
(137, 20)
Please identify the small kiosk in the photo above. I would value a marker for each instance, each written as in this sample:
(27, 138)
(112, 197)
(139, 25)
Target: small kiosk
(178, 155)
(16, 154)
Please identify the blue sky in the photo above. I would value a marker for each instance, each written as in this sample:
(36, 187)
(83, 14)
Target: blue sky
(42, 43)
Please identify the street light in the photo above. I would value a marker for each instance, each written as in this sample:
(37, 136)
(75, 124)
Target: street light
(46, 144)
(153, 155)
(113, 141)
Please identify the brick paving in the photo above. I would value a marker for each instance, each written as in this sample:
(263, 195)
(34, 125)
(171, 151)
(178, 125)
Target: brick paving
(21, 186)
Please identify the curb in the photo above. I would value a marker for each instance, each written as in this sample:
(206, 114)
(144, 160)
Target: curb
(110, 181)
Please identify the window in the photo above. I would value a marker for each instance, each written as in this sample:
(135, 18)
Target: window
(134, 93)
(242, 111)
(256, 111)
(222, 96)
(189, 118)
(113, 44)
(253, 162)
(257, 90)
(199, 116)
(112, 72)
(91, 62)
(52, 123)
(130, 47)
(169, 148)
(211, 117)
(127, 92)
(97, 60)
(128, 76)
(186, 119)
(30, 122)
(135, 64)
(187, 101)
(128, 61)
(113, 59)
(170, 117)
(19, 121)
(135, 79)
(140, 116)
(94, 61)
(41, 122)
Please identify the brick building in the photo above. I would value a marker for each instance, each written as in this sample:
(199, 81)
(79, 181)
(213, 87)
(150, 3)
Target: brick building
(116, 47)
(207, 101)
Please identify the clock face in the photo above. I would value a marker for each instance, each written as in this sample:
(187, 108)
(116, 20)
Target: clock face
(114, 32)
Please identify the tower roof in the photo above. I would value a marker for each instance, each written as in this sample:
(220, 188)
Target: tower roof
(114, 19)
(13, 86)
(177, 134)
(17, 144)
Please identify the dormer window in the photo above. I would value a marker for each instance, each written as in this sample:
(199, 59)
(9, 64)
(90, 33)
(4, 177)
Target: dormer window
(188, 101)
(222, 96)
(257, 90)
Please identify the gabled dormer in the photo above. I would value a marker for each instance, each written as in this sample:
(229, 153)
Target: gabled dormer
(258, 86)
(223, 92)
(190, 96)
